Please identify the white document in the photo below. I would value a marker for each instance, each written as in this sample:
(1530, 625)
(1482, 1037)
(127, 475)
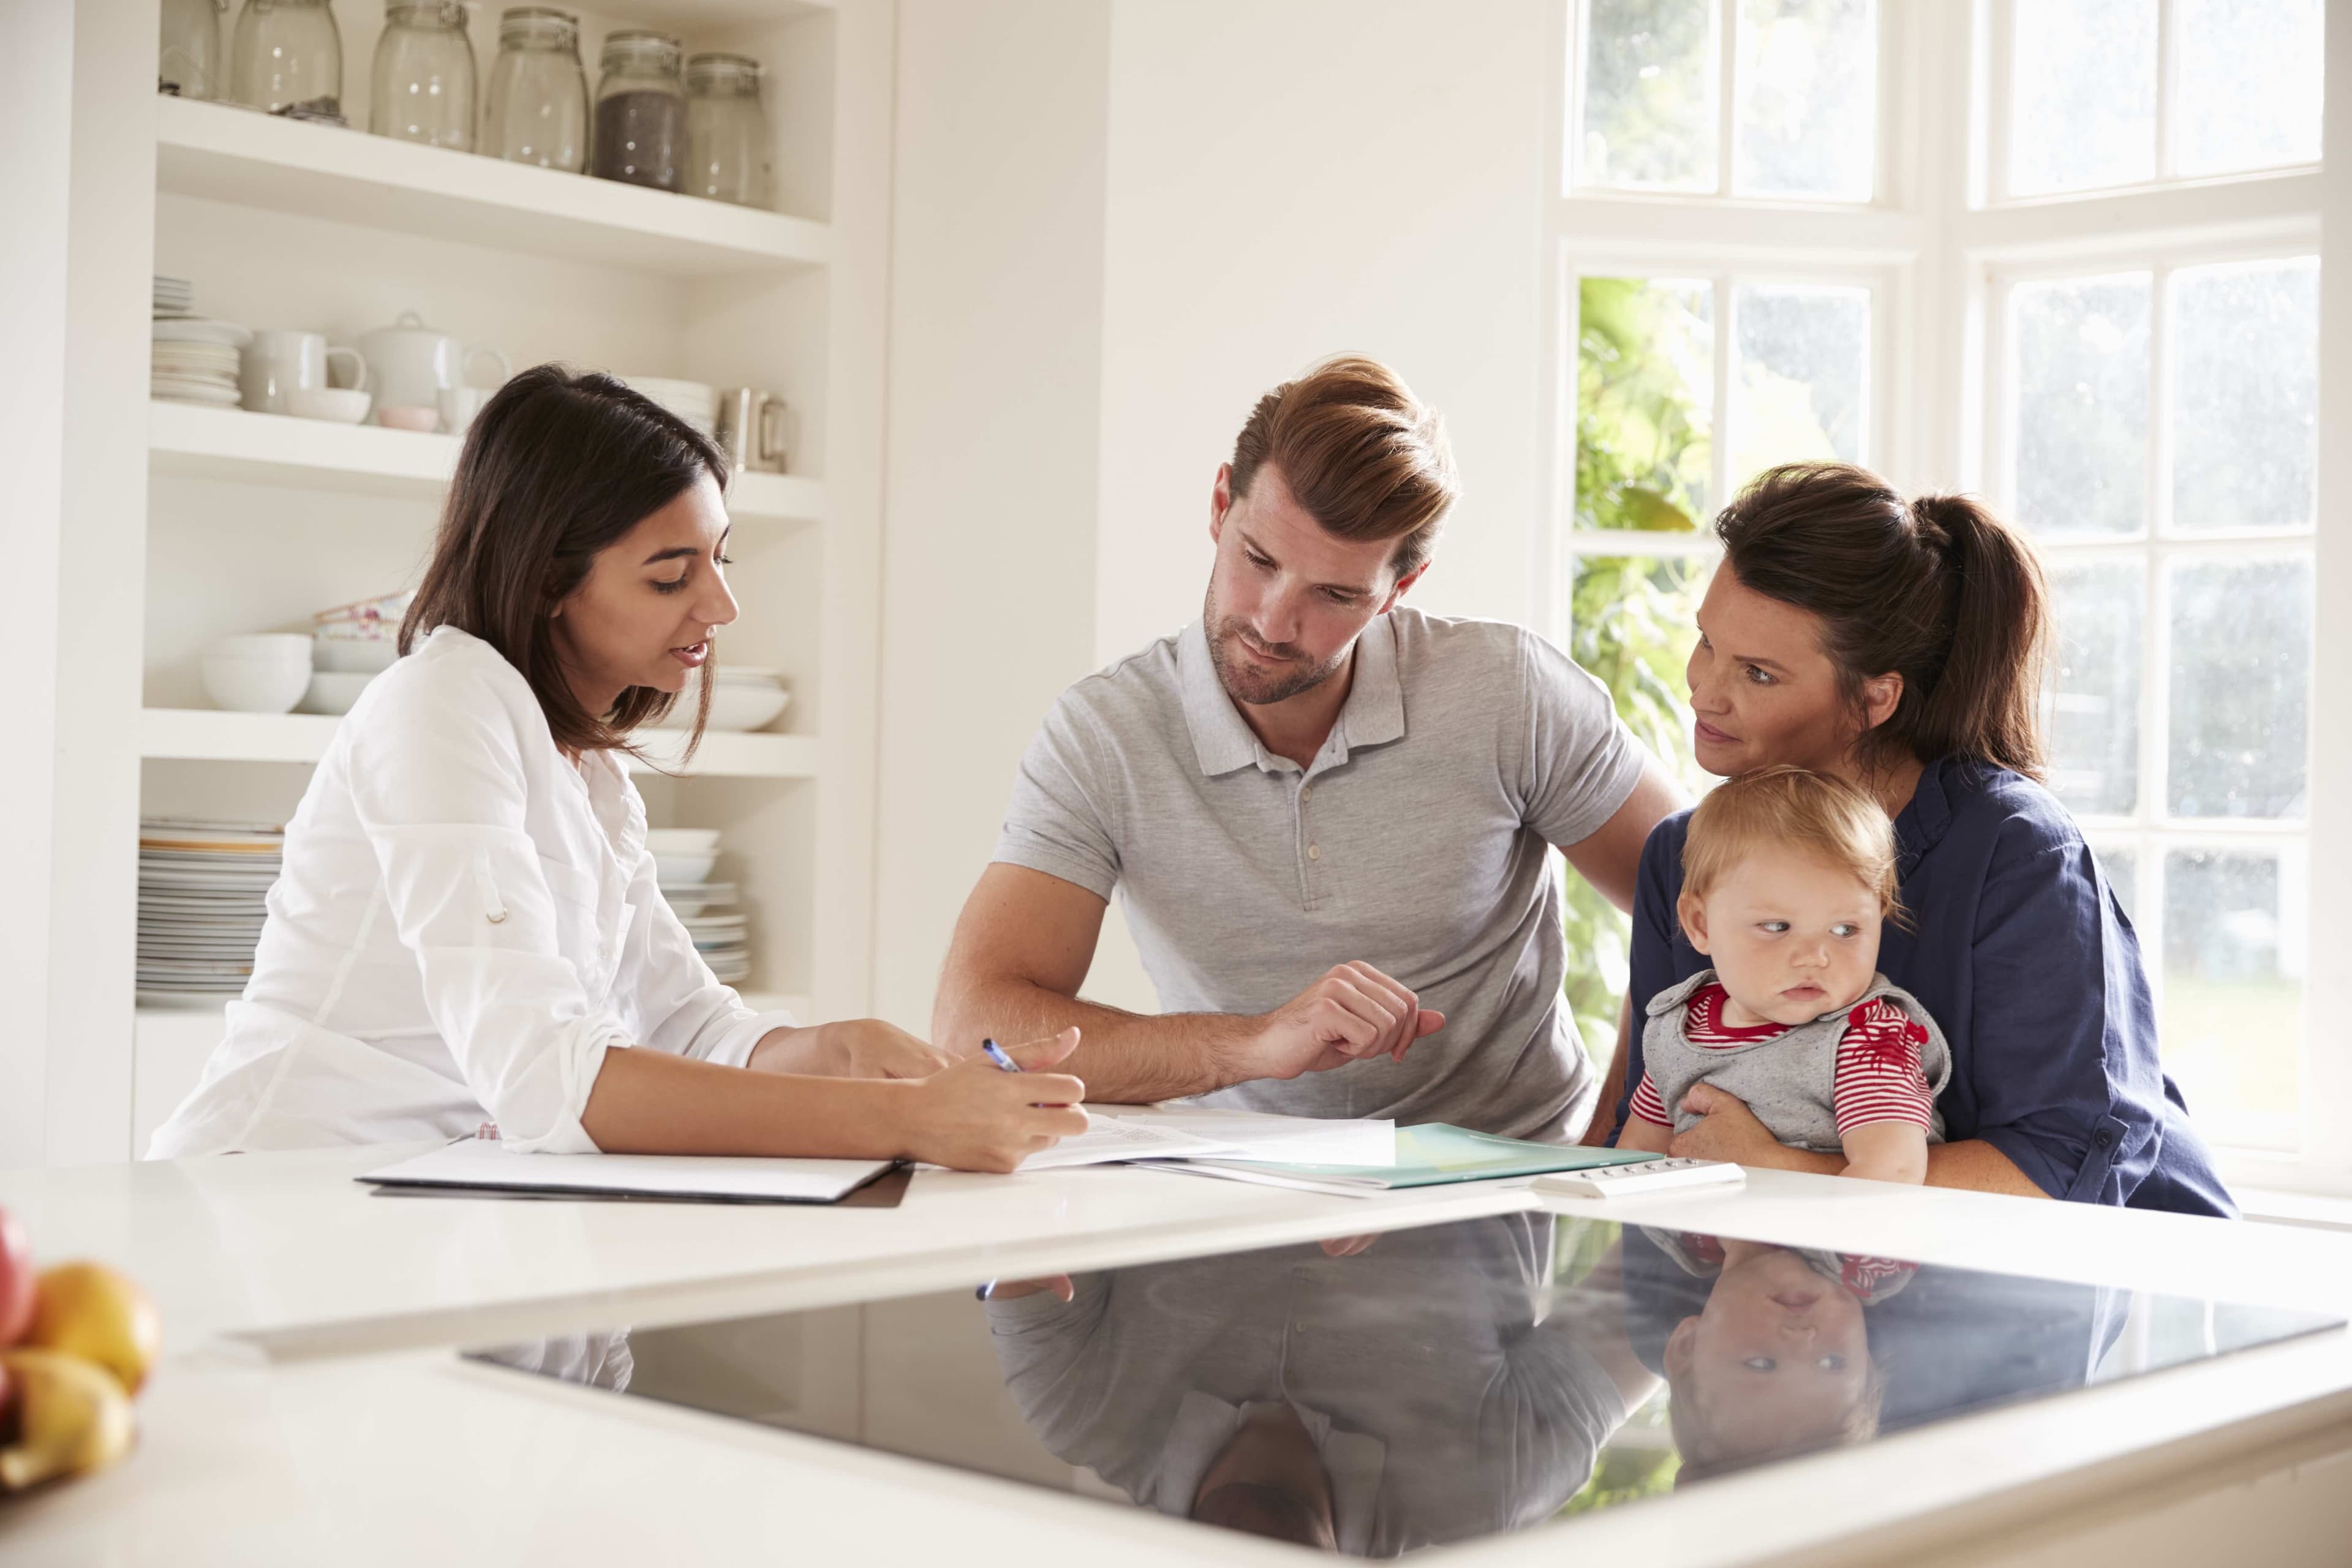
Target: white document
(485, 1164)
(1287, 1140)
(1111, 1138)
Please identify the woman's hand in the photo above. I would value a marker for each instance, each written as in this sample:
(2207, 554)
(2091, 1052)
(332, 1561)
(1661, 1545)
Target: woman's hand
(1729, 1130)
(975, 1116)
(855, 1047)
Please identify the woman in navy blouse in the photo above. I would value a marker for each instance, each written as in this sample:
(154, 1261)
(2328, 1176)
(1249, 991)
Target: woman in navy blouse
(1899, 643)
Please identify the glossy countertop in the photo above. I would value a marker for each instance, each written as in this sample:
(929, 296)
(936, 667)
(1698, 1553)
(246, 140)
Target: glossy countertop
(309, 1407)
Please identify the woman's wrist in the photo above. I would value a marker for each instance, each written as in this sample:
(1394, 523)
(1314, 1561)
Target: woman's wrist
(803, 1051)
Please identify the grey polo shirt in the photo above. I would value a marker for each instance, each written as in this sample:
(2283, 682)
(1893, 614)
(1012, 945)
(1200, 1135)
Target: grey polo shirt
(1417, 843)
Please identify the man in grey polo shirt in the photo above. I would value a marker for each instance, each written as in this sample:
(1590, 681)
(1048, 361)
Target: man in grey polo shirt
(1330, 817)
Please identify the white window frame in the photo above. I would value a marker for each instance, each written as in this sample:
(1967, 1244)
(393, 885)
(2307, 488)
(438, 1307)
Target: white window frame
(1995, 42)
(1940, 243)
(1570, 141)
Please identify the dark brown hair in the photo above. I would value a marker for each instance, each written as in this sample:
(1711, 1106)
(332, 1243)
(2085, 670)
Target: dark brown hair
(1365, 457)
(557, 467)
(1936, 590)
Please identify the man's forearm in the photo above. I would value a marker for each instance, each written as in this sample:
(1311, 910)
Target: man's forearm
(1125, 1058)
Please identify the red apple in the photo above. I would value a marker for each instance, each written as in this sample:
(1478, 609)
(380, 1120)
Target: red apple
(8, 1408)
(16, 1279)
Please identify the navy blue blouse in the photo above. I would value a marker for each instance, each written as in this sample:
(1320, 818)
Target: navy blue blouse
(2018, 950)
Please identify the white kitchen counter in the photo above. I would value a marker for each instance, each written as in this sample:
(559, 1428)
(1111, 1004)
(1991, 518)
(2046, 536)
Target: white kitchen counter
(310, 1409)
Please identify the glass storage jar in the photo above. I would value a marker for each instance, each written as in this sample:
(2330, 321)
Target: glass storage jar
(191, 62)
(727, 131)
(640, 136)
(287, 58)
(422, 88)
(538, 94)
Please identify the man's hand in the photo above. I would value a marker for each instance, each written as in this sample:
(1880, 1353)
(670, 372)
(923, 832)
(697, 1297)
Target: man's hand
(855, 1048)
(1352, 1014)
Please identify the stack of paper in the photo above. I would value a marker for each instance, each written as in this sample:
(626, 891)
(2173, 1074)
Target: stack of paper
(1135, 1132)
(1430, 1155)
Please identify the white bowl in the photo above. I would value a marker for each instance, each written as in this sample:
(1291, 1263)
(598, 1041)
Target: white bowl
(410, 416)
(682, 840)
(674, 869)
(352, 656)
(746, 707)
(254, 685)
(289, 649)
(333, 691)
(341, 404)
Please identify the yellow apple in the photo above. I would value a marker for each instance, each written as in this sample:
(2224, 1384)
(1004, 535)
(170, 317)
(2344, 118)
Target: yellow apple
(100, 1314)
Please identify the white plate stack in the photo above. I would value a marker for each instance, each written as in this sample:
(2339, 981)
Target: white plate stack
(202, 887)
(195, 360)
(692, 400)
(684, 858)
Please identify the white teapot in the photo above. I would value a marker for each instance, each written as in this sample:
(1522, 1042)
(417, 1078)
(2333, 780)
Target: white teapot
(411, 365)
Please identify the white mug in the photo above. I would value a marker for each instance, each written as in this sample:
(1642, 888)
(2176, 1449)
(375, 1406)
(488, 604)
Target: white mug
(284, 360)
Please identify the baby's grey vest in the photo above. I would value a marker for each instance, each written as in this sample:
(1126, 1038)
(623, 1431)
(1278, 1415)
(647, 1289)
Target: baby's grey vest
(1790, 1080)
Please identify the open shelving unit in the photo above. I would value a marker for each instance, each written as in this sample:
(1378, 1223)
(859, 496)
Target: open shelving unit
(256, 521)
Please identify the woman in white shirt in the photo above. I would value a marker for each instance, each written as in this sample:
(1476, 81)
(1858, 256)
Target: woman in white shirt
(468, 927)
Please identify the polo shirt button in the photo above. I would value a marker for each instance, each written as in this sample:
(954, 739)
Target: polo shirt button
(1315, 851)
(1307, 792)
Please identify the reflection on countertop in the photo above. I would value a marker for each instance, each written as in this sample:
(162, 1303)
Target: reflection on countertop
(1373, 1395)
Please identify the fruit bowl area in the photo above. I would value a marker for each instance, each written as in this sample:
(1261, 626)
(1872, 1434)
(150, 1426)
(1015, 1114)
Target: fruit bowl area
(76, 1341)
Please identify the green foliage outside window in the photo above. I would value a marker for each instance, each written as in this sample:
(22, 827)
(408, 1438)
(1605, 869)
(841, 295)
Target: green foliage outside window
(1643, 453)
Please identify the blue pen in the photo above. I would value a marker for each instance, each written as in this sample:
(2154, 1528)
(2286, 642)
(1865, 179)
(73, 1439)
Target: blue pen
(995, 1052)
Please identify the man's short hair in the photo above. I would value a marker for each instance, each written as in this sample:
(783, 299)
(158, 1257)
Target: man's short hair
(1365, 457)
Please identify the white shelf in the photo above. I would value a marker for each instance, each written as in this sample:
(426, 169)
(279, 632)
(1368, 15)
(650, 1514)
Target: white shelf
(230, 154)
(209, 735)
(187, 438)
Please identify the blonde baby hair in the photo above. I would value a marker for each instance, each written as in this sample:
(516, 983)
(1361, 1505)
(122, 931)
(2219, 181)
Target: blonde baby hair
(1814, 814)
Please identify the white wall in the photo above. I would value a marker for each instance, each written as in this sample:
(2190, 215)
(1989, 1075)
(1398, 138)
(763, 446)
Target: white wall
(988, 564)
(1110, 242)
(1290, 181)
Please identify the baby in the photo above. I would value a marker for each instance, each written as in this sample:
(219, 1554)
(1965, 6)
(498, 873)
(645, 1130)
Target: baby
(1778, 1361)
(1788, 877)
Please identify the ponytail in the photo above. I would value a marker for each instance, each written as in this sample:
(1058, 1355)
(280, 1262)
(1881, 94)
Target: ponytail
(1987, 701)
(1936, 590)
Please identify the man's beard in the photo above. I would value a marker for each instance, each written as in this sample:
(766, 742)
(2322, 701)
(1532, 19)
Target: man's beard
(1246, 680)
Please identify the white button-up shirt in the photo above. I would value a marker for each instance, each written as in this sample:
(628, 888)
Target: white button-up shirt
(466, 923)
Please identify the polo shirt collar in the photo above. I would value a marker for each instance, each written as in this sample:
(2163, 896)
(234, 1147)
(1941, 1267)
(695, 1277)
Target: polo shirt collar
(1222, 740)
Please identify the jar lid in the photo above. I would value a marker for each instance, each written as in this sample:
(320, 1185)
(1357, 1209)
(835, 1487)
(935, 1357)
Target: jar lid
(448, 13)
(536, 16)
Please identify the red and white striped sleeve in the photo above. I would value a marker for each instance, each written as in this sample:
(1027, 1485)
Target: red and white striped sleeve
(1648, 1105)
(1879, 1074)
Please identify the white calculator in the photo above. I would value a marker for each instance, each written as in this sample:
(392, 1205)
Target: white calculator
(1644, 1176)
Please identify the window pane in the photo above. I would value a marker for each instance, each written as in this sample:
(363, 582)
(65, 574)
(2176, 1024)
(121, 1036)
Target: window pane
(2245, 420)
(2120, 864)
(2250, 74)
(1644, 403)
(2235, 945)
(2080, 429)
(1808, 99)
(1631, 624)
(2083, 75)
(1800, 382)
(2240, 677)
(1651, 74)
(2095, 679)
